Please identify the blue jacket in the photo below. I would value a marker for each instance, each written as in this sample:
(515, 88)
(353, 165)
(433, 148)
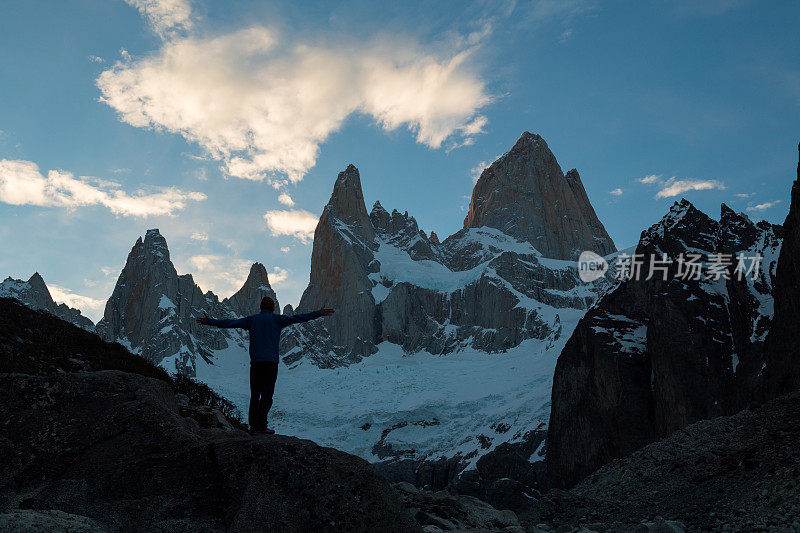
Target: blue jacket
(265, 331)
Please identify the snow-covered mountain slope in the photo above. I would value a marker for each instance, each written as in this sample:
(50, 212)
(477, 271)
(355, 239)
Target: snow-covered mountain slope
(35, 294)
(152, 310)
(399, 405)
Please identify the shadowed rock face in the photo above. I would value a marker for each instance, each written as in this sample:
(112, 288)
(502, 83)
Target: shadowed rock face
(732, 473)
(782, 373)
(118, 450)
(526, 195)
(655, 355)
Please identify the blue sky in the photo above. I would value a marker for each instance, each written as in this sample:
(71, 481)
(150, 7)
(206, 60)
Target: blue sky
(224, 124)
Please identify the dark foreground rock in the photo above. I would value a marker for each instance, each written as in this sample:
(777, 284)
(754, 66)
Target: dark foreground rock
(735, 473)
(442, 511)
(114, 447)
(93, 438)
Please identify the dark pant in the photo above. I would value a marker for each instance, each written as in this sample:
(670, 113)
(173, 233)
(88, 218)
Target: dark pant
(262, 385)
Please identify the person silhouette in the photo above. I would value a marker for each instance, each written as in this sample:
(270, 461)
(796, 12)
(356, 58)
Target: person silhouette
(265, 334)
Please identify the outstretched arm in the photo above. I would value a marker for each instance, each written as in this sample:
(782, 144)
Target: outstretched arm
(227, 323)
(286, 320)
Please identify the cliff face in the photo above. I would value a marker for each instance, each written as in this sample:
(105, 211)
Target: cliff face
(152, 310)
(526, 195)
(655, 355)
(35, 294)
(782, 372)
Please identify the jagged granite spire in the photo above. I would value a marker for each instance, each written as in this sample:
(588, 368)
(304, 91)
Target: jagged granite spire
(341, 260)
(526, 195)
(152, 310)
(247, 300)
(347, 204)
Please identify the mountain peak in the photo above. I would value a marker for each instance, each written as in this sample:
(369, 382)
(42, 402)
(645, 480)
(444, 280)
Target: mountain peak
(247, 300)
(37, 282)
(526, 195)
(347, 199)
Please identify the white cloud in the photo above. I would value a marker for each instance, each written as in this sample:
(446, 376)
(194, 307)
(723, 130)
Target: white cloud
(199, 236)
(763, 207)
(108, 270)
(262, 106)
(90, 307)
(652, 178)
(285, 249)
(277, 276)
(616, 192)
(476, 171)
(674, 187)
(294, 222)
(285, 199)
(21, 183)
(744, 194)
(224, 275)
(96, 59)
(165, 17)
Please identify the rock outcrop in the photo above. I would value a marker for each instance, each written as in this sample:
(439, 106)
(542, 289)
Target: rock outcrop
(655, 355)
(35, 294)
(152, 310)
(526, 195)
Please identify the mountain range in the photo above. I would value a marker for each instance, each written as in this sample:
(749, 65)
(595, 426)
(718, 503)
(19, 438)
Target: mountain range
(443, 357)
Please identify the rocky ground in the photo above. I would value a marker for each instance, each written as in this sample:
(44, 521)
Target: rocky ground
(735, 473)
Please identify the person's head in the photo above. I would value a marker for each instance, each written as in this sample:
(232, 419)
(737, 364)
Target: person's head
(267, 304)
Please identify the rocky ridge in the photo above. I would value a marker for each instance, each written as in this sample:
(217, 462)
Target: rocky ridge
(152, 310)
(657, 354)
(391, 282)
(35, 294)
(782, 370)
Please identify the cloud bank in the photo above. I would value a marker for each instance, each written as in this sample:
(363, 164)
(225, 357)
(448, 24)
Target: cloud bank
(90, 307)
(21, 183)
(262, 105)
